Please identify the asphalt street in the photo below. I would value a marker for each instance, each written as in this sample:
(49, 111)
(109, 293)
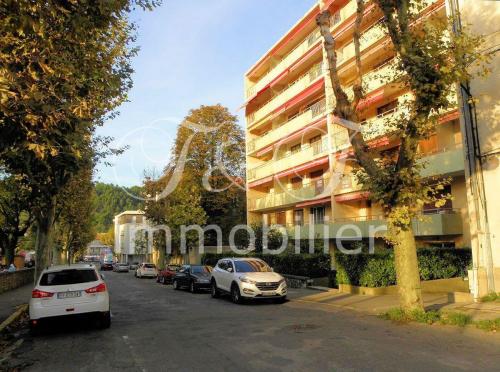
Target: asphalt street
(155, 328)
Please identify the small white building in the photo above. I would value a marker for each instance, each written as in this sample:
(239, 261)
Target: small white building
(128, 228)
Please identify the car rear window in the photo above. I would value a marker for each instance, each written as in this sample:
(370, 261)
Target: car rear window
(149, 266)
(70, 276)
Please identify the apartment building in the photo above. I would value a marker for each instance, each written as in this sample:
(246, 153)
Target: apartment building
(299, 172)
(129, 226)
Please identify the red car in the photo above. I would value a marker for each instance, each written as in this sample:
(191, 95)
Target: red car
(166, 275)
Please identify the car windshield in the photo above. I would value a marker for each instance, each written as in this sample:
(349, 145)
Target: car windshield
(173, 268)
(201, 269)
(149, 266)
(70, 276)
(251, 266)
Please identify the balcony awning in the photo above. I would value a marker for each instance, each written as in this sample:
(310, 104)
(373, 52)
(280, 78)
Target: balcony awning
(265, 150)
(314, 202)
(260, 182)
(300, 168)
(373, 97)
(358, 195)
(449, 117)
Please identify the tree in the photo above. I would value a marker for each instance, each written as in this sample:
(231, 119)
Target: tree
(15, 216)
(111, 200)
(429, 61)
(216, 159)
(108, 237)
(74, 229)
(64, 69)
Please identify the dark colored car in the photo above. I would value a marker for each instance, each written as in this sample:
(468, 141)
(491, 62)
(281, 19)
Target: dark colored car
(193, 277)
(106, 266)
(166, 275)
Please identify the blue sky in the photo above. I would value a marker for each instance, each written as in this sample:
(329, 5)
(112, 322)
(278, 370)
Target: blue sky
(193, 52)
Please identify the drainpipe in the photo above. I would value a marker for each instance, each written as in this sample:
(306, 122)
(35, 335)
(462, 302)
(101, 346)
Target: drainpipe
(474, 173)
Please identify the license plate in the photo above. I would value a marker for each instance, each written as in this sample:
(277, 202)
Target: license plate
(69, 294)
(268, 293)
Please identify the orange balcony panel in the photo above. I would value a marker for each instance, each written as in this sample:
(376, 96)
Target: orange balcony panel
(305, 57)
(358, 195)
(302, 167)
(318, 123)
(314, 202)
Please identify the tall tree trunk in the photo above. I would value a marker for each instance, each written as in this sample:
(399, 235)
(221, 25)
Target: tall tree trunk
(406, 265)
(10, 249)
(44, 222)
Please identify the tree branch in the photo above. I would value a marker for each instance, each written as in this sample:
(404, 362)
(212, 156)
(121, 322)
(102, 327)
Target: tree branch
(358, 84)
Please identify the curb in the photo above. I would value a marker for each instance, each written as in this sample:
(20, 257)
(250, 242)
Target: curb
(322, 289)
(16, 314)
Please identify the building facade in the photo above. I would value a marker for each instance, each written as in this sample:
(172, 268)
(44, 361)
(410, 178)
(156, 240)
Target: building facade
(480, 122)
(96, 251)
(299, 167)
(131, 239)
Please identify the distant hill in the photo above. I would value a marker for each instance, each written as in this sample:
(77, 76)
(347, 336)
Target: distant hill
(111, 200)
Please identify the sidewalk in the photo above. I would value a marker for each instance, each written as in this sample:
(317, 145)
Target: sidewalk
(379, 304)
(11, 299)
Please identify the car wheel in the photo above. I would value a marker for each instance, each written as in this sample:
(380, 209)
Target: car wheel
(192, 287)
(214, 290)
(235, 294)
(176, 284)
(105, 321)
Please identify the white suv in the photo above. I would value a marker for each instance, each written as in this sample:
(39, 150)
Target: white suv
(68, 290)
(146, 270)
(245, 278)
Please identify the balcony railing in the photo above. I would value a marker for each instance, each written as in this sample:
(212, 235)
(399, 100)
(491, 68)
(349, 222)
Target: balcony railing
(289, 161)
(286, 93)
(290, 126)
(287, 197)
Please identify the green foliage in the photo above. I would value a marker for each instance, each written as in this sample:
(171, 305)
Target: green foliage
(400, 315)
(310, 265)
(377, 270)
(111, 200)
(491, 297)
(489, 325)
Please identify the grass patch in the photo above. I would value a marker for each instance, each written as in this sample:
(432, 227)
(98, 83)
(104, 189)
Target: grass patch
(455, 318)
(489, 325)
(491, 297)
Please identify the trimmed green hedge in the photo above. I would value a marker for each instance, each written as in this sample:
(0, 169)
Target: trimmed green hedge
(377, 270)
(310, 265)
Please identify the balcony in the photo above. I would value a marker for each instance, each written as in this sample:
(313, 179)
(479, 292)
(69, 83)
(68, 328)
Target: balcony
(368, 38)
(291, 126)
(444, 223)
(290, 91)
(301, 49)
(286, 198)
(445, 162)
(375, 79)
(275, 165)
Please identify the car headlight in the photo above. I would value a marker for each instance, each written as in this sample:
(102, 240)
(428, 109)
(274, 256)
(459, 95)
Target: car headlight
(246, 280)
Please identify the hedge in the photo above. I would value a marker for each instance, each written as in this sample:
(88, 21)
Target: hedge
(310, 265)
(377, 270)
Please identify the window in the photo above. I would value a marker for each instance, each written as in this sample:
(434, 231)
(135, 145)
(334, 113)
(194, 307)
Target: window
(250, 266)
(281, 218)
(387, 107)
(296, 183)
(335, 18)
(298, 217)
(295, 148)
(318, 215)
(70, 276)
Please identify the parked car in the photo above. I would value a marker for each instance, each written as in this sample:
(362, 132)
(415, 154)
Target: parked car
(67, 290)
(120, 267)
(166, 275)
(134, 266)
(106, 265)
(146, 270)
(247, 278)
(193, 277)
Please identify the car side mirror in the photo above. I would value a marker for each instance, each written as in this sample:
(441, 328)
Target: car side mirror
(230, 269)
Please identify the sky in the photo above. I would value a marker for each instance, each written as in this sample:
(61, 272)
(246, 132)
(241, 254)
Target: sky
(192, 53)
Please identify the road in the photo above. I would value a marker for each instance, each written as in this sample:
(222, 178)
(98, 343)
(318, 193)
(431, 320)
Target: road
(155, 328)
